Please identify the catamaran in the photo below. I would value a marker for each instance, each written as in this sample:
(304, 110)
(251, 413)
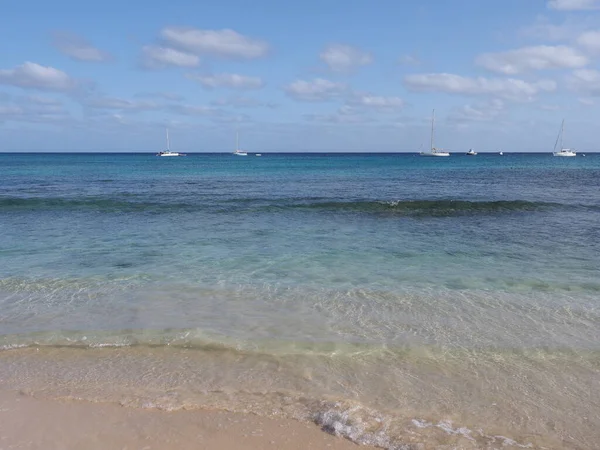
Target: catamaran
(434, 151)
(238, 152)
(168, 151)
(563, 151)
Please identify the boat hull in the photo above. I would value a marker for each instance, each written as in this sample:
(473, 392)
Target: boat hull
(435, 154)
(565, 154)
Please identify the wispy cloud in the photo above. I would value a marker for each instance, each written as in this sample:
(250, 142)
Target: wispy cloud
(157, 57)
(511, 88)
(410, 60)
(315, 90)
(31, 75)
(120, 104)
(78, 48)
(242, 102)
(585, 81)
(378, 102)
(227, 80)
(478, 112)
(33, 109)
(221, 43)
(574, 5)
(344, 58)
(539, 57)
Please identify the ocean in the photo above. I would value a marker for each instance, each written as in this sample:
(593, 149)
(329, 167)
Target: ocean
(395, 300)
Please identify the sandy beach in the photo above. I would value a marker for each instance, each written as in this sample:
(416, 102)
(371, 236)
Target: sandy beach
(31, 423)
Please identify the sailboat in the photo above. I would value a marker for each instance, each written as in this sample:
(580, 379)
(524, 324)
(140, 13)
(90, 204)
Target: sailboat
(434, 151)
(563, 151)
(238, 152)
(168, 151)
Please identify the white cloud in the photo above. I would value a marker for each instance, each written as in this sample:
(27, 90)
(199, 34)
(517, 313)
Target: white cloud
(79, 49)
(376, 102)
(155, 57)
(574, 5)
(316, 90)
(587, 101)
(586, 81)
(538, 57)
(30, 75)
(510, 88)
(224, 43)
(342, 58)
(227, 80)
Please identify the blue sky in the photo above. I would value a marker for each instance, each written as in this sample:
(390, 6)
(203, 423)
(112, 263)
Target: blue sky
(324, 75)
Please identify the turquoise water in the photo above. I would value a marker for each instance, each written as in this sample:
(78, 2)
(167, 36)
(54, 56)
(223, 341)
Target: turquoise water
(317, 271)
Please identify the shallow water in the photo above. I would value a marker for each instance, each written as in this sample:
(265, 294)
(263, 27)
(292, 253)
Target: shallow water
(392, 299)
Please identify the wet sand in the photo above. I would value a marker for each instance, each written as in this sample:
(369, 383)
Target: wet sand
(31, 423)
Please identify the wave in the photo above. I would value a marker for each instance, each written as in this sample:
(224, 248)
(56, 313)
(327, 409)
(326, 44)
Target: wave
(201, 340)
(102, 204)
(435, 208)
(182, 339)
(295, 388)
(415, 208)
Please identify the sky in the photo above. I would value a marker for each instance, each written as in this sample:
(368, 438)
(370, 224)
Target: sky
(328, 75)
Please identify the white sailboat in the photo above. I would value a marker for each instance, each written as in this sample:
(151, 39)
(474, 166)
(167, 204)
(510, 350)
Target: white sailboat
(168, 151)
(563, 151)
(434, 151)
(238, 152)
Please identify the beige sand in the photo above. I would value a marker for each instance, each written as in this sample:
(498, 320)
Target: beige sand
(32, 423)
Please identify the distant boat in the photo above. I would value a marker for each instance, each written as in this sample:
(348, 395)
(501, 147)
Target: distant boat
(434, 151)
(168, 151)
(258, 154)
(471, 152)
(563, 151)
(238, 152)
(501, 153)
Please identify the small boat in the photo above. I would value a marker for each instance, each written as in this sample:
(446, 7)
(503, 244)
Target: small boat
(258, 154)
(563, 151)
(168, 151)
(434, 151)
(238, 152)
(501, 153)
(471, 152)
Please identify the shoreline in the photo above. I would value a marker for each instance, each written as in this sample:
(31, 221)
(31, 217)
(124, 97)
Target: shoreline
(28, 422)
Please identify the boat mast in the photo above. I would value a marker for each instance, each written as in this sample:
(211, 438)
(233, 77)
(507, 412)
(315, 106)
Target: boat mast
(237, 140)
(432, 125)
(562, 130)
(168, 145)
